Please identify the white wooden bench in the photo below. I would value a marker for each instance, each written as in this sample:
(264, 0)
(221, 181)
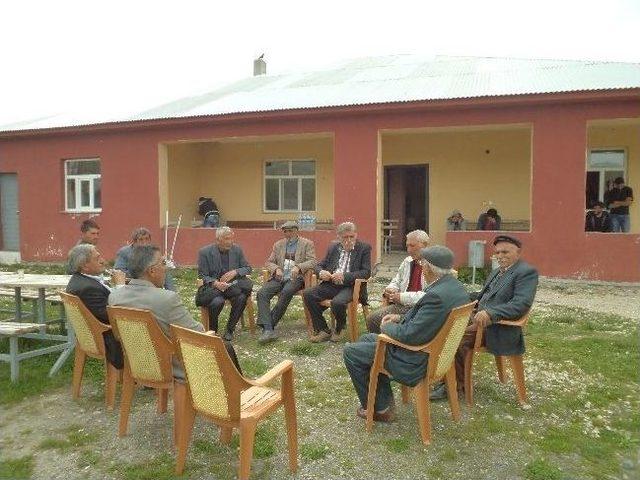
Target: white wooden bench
(14, 330)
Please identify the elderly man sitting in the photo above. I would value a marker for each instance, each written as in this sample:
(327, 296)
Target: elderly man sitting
(418, 326)
(87, 265)
(144, 291)
(405, 288)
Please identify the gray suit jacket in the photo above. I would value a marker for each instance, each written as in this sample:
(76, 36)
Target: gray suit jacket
(166, 306)
(420, 325)
(509, 299)
(210, 265)
(305, 257)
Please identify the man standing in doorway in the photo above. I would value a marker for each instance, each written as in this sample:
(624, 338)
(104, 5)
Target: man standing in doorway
(620, 199)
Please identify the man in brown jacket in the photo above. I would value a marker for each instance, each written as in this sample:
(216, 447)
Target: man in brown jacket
(290, 259)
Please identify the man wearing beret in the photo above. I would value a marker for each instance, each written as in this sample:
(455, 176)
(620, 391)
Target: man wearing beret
(507, 294)
(421, 324)
(290, 259)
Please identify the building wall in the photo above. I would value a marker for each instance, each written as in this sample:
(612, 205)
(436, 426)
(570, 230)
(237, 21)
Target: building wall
(232, 174)
(621, 135)
(469, 170)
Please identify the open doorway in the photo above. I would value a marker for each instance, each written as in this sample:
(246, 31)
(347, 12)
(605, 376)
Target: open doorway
(406, 197)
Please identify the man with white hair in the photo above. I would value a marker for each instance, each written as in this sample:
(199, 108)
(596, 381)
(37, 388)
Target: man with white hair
(405, 288)
(224, 272)
(443, 293)
(346, 260)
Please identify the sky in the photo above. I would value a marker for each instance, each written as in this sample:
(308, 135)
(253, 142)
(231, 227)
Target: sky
(126, 56)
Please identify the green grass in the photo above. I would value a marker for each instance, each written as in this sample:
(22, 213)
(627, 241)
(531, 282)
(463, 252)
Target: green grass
(307, 349)
(74, 439)
(398, 445)
(314, 451)
(540, 469)
(17, 468)
(158, 468)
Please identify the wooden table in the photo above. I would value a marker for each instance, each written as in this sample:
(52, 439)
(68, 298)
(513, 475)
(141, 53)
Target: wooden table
(41, 283)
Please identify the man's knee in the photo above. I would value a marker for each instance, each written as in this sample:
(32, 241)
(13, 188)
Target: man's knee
(263, 294)
(217, 302)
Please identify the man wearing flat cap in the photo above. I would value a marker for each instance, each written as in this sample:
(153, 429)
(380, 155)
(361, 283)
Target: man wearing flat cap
(290, 259)
(442, 293)
(507, 294)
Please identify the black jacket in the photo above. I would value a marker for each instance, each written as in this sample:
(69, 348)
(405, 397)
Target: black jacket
(359, 265)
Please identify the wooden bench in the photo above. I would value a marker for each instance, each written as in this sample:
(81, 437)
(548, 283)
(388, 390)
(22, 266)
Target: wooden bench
(13, 330)
(506, 225)
(275, 224)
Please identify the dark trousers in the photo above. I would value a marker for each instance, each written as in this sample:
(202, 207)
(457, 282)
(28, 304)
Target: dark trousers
(238, 299)
(358, 358)
(339, 295)
(113, 350)
(232, 354)
(269, 317)
(466, 344)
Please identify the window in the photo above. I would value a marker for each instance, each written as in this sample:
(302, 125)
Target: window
(290, 186)
(82, 185)
(603, 167)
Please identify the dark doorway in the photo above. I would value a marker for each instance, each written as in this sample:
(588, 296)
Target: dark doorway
(406, 197)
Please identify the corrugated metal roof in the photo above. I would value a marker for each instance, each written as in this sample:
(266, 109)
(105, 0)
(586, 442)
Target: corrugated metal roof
(378, 80)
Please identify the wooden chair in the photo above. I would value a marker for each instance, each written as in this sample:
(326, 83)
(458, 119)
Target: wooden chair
(441, 350)
(388, 227)
(89, 343)
(147, 359)
(216, 390)
(249, 310)
(515, 360)
(309, 279)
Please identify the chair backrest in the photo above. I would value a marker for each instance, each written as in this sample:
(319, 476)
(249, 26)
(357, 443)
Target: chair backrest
(88, 329)
(214, 382)
(147, 350)
(446, 342)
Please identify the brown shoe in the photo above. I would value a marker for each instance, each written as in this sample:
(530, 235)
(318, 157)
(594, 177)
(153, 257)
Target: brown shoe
(388, 415)
(337, 337)
(321, 336)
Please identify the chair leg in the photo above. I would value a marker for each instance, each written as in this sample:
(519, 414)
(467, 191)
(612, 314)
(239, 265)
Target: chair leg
(128, 389)
(307, 319)
(185, 428)
(423, 410)
(500, 367)
(376, 367)
(179, 394)
(204, 318)
(250, 314)
(111, 380)
(247, 436)
(290, 418)
(518, 377)
(78, 369)
(352, 319)
(163, 397)
(452, 393)
(468, 377)
(225, 434)
(405, 393)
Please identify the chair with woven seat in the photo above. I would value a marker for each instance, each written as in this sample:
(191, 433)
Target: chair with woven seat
(89, 343)
(147, 358)
(515, 360)
(216, 390)
(441, 351)
(249, 310)
(309, 281)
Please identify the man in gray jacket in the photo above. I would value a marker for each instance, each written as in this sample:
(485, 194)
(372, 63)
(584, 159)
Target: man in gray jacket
(405, 288)
(144, 291)
(290, 259)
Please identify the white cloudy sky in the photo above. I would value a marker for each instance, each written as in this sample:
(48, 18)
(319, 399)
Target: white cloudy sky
(122, 56)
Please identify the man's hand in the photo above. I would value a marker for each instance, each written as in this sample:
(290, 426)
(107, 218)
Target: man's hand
(391, 318)
(394, 297)
(230, 275)
(482, 319)
(278, 274)
(220, 285)
(337, 278)
(324, 275)
(117, 277)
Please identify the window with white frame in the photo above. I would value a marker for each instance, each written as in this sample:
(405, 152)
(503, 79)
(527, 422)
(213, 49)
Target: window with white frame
(82, 185)
(603, 167)
(290, 185)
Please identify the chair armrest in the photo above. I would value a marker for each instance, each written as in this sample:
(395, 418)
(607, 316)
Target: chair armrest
(309, 279)
(413, 348)
(272, 374)
(356, 289)
(520, 322)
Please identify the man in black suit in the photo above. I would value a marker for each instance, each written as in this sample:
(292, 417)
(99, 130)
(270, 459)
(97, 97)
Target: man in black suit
(86, 264)
(224, 271)
(345, 261)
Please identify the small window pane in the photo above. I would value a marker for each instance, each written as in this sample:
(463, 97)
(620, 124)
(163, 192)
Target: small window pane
(308, 194)
(290, 194)
(304, 168)
(71, 194)
(83, 167)
(272, 194)
(277, 168)
(85, 193)
(97, 203)
(607, 159)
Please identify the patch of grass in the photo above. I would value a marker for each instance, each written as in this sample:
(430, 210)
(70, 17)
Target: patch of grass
(253, 367)
(540, 469)
(449, 454)
(314, 451)
(17, 468)
(88, 458)
(265, 443)
(558, 440)
(75, 439)
(205, 446)
(53, 443)
(307, 349)
(159, 468)
(398, 445)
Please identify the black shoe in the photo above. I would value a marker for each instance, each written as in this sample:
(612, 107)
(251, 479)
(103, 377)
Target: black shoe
(439, 392)
(228, 336)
